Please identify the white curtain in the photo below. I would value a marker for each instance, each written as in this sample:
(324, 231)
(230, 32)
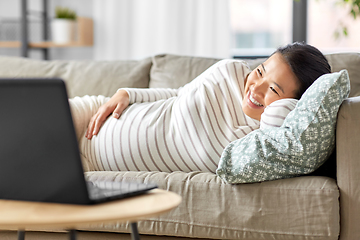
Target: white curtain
(134, 29)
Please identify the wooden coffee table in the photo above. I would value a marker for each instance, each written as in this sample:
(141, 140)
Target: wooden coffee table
(23, 215)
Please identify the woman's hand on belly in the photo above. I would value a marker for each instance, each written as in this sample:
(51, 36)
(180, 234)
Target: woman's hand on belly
(114, 106)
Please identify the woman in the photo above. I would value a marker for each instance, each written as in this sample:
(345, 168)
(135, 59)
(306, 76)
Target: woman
(186, 129)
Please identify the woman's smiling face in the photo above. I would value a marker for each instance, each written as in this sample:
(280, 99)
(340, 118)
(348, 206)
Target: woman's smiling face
(270, 81)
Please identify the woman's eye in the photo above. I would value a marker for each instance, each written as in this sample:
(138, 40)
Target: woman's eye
(273, 89)
(259, 71)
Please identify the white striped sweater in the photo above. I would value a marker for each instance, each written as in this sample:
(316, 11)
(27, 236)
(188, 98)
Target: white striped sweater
(275, 114)
(183, 129)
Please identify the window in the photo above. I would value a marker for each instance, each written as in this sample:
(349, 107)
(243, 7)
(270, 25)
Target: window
(325, 17)
(259, 27)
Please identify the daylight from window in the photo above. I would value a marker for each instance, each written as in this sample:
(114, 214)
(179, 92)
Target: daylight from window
(325, 18)
(259, 27)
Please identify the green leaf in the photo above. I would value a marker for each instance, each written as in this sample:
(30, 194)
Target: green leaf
(354, 6)
(353, 13)
(345, 31)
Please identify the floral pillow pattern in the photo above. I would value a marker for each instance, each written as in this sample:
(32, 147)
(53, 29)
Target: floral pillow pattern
(301, 145)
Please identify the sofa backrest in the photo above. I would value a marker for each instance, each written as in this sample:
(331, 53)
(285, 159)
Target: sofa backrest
(82, 77)
(174, 71)
(165, 70)
(351, 62)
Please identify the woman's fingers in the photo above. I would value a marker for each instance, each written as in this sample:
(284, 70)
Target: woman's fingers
(118, 110)
(115, 106)
(90, 128)
(100, 117)
(96, 122)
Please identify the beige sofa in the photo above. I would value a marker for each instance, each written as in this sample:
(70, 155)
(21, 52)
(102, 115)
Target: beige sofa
(322, 206)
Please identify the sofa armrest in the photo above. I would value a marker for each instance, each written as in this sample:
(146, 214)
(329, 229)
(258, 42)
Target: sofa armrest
(348, 167)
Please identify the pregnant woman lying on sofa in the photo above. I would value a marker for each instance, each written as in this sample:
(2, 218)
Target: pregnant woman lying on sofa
(187, 129)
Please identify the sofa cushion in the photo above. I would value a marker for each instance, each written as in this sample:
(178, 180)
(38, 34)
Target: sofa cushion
(82, 77)
(350, 62)
(302, 144)
(296, 208)
(173, 71)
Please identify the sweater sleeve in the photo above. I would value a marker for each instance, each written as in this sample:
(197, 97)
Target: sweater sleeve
(213, 74)
(275, 114)
(139, 95)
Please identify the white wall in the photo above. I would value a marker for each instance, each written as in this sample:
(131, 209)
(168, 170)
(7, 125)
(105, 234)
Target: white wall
(12, 9)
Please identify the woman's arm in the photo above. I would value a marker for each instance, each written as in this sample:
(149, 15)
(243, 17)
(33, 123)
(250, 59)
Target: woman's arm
(138, 95)
(121, 100)
(126, 96)
(275, 114)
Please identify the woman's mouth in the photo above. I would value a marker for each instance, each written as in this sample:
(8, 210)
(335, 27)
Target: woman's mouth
(253, 102)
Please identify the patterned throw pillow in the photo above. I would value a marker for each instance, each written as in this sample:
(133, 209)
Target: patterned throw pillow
(299, 146)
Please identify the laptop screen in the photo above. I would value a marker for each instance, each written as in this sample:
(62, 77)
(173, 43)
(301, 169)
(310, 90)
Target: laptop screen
(39, 154)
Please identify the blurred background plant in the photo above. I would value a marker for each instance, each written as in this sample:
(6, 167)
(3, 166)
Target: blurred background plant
(353, 10)
(65, 13)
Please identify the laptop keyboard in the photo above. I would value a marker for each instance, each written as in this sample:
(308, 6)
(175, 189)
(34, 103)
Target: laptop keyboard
(100, 190)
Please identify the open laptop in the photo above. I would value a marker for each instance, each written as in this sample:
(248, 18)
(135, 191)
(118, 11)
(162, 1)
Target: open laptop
(39, 155)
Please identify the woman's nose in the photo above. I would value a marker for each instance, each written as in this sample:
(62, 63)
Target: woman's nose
(259, 87)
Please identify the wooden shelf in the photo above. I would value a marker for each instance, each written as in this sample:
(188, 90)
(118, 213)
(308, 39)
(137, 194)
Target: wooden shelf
(84, 36)
(56, 45)
(9, 44)
(17, 44)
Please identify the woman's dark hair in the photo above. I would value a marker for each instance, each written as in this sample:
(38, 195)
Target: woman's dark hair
(306, 62)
